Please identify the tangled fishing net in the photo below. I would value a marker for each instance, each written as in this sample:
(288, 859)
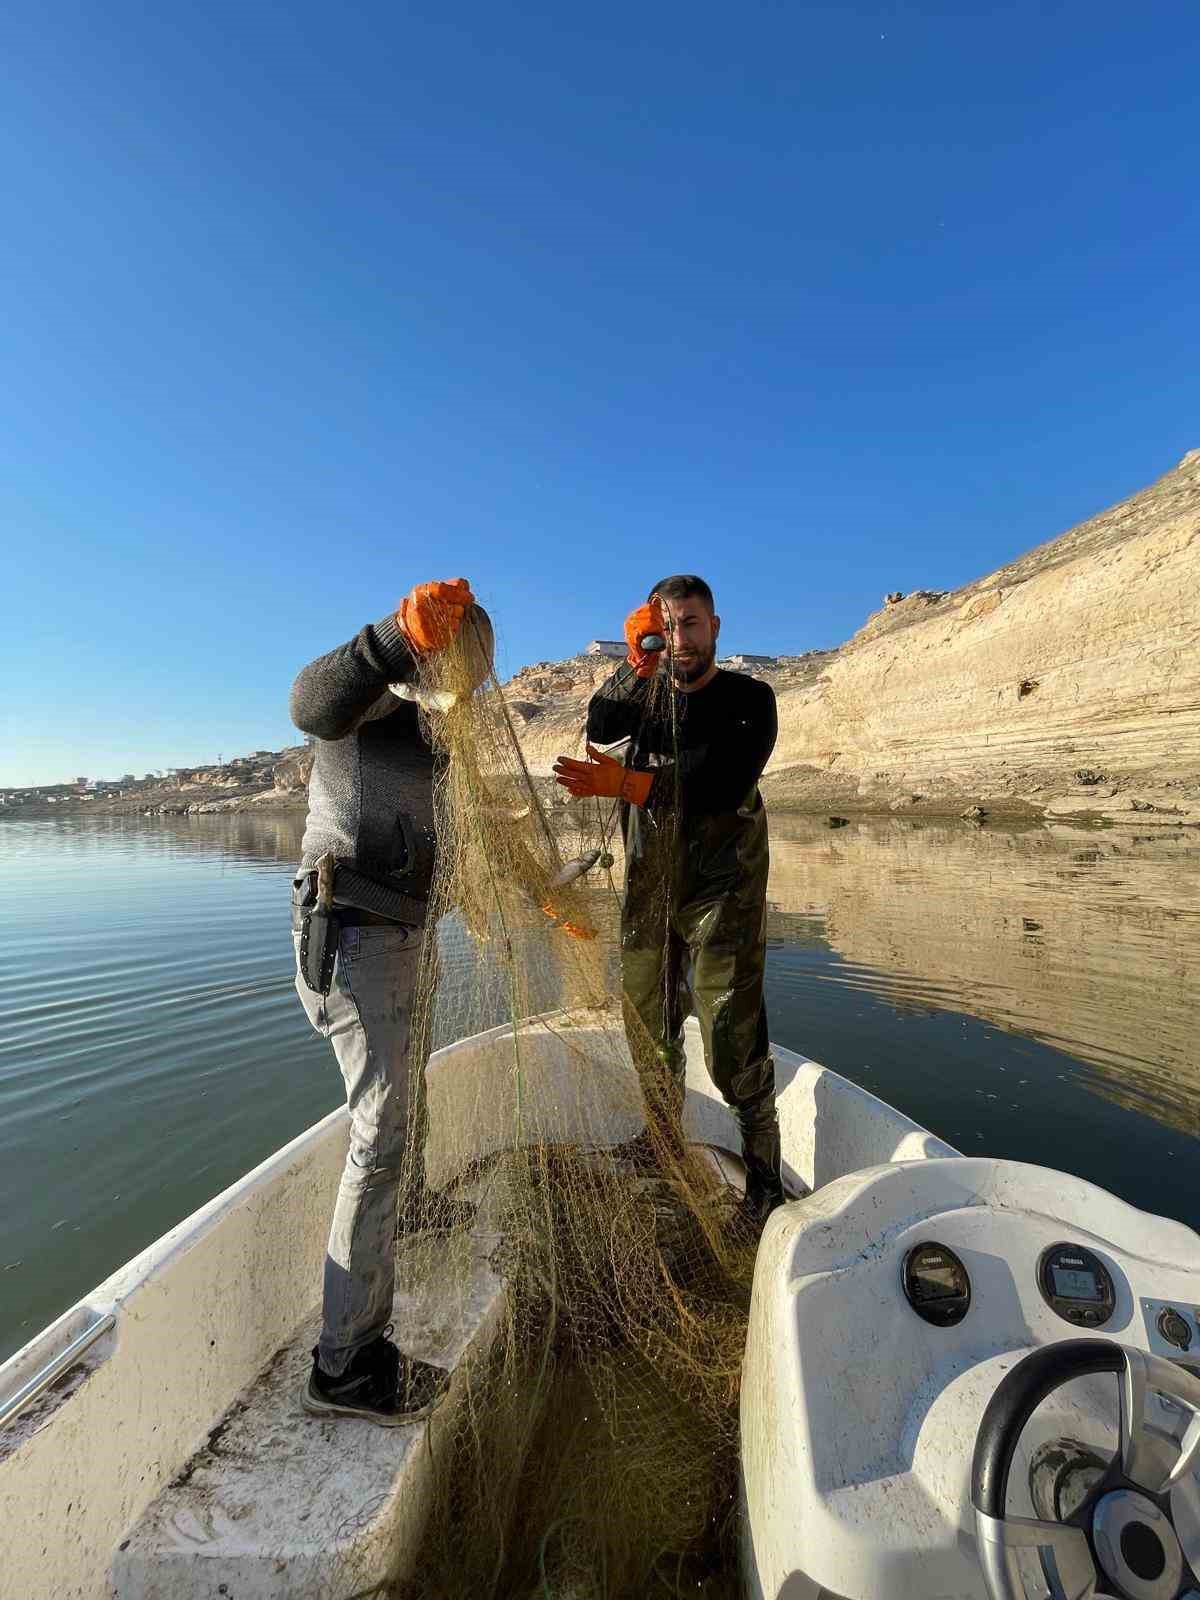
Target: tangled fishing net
(588, 1449)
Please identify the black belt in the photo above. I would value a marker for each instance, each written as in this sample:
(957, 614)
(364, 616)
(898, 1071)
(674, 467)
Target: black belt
(360, 901)
(348, 917)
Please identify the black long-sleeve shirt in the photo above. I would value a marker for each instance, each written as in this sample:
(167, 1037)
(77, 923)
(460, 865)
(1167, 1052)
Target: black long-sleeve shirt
(715, 753)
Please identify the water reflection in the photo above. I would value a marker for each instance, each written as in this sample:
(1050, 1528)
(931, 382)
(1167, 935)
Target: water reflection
(1086, 942)
(152, 1049)
(242, 836)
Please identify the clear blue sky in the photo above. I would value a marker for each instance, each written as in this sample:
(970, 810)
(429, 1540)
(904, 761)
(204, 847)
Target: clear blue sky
(304, 303)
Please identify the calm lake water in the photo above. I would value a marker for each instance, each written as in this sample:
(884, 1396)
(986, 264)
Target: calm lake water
(1027, 994)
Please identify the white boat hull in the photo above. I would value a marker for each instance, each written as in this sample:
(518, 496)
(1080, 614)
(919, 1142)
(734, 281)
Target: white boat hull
(199, 1314)
(90, 1499)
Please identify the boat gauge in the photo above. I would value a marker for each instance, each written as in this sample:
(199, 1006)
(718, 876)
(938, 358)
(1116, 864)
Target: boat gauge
(936, 1284)
(1077, 1285)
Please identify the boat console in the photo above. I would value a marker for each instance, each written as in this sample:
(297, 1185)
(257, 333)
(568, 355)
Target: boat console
(972, 1378)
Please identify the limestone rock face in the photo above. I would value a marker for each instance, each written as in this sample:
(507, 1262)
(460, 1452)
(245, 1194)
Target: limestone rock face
(292, 770)
(1065, 684)
(1082, 655)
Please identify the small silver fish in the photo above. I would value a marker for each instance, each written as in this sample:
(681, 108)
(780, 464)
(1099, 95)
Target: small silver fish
(427, 699)
(574, 869)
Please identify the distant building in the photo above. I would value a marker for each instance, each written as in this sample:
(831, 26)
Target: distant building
(81, 783)
(745, 663)
(607, 647)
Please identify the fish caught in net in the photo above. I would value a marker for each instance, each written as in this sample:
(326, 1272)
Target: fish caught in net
(588, 1445)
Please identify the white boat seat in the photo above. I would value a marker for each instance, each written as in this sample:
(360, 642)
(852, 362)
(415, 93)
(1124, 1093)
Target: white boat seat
(280, 1503)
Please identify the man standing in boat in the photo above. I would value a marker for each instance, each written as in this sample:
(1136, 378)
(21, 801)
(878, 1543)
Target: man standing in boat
(696, 877)
(358, 913)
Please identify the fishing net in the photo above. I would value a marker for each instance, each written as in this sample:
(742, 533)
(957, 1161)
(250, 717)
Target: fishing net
(588, 1447)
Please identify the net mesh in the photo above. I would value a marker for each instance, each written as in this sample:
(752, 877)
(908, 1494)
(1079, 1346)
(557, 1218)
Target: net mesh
(588, 1448)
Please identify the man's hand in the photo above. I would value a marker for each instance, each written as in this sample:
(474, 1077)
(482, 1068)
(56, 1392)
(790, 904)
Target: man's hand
(602, 775)
(645, 620)
(433, 613)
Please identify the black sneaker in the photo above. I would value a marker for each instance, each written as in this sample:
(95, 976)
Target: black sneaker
(380, 1385)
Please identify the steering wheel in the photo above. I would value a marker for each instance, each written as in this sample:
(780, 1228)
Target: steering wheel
(1137, 1535)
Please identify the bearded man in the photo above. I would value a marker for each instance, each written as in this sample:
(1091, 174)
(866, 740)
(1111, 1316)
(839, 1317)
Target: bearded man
(697, 855)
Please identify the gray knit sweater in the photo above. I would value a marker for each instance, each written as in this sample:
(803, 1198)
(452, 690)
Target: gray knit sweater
(371, 790)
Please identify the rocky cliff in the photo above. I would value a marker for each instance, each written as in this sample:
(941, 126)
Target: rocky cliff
(1067, 683)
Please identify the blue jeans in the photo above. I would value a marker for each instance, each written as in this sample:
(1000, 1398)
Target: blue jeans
(367, 1017)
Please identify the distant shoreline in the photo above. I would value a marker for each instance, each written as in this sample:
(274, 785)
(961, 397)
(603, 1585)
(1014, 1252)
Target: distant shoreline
(787, 793)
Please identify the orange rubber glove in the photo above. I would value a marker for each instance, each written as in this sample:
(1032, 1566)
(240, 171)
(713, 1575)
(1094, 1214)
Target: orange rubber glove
(432, 614)
(603, 775)
(646, 619)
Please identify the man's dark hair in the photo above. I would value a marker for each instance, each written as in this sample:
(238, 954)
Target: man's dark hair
(683, 586)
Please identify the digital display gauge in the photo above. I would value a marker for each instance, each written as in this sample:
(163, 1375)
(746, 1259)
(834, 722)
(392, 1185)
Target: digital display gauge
(1077, 1285)
(936, 1285)
(1072, 1283)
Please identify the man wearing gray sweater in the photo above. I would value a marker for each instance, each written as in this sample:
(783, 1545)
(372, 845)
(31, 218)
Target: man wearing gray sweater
(371, 826)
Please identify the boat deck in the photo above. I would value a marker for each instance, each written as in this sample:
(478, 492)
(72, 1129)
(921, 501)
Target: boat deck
(175, 1447)
(278, 1502)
